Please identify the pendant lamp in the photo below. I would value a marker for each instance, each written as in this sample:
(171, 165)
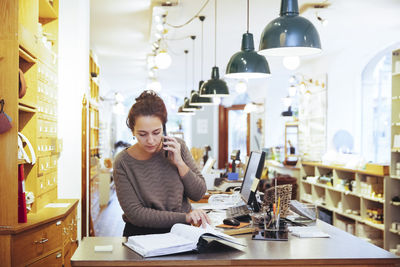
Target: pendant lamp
(181, 111)
(247, 63)
(187, 106)
(195, 98)
(289, 34)
(215, 87)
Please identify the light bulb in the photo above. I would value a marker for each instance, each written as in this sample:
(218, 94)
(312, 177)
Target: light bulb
(216, 101)
(292, 90)
(163, 60)
(291, 62)
(287, 101)
(241, 87)
(154, 85)
(119, 97)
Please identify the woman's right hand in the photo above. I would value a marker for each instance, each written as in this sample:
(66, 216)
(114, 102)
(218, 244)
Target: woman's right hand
(197, 217)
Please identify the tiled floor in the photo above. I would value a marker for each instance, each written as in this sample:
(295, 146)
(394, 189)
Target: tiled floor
(109, 222)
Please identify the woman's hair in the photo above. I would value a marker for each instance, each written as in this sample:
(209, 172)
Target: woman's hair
(147, 104)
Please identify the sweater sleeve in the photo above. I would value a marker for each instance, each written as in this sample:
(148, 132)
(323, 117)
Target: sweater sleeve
(132, 207)
(193, 181)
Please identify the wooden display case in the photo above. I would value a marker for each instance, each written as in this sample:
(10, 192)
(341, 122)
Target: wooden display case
(29, 42)
(354, 198)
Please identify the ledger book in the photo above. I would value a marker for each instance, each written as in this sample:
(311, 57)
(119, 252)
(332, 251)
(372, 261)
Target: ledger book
(181, 238)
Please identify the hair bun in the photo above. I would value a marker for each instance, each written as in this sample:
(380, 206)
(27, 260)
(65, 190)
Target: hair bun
(147, 94)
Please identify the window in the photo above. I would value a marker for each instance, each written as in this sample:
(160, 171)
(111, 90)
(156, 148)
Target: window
(376, 105)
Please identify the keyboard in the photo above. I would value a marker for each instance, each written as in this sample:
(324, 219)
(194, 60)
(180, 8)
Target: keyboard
(241, 213)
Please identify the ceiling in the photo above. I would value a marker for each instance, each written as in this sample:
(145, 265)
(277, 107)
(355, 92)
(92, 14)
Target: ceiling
(121, 39)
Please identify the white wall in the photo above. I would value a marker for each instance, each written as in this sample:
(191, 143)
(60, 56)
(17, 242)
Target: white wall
(73, 83)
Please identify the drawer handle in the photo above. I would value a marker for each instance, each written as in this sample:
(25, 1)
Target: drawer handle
(43, 240)
(58, 255)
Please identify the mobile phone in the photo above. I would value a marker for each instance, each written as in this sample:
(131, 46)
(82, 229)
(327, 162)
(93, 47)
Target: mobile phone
(165, 134)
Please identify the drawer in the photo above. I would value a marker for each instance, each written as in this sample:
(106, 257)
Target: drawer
(36, 243)
(53, 260)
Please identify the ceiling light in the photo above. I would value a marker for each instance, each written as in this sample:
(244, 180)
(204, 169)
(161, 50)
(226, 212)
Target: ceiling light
(119, 97)
(291, 62)
(289, 34)
(292, 90)
(162, 60)
(215, 87)
(159, 27)
(196, 99)
(154, 85)
(241, 87)
(287, 101)
(247, 63)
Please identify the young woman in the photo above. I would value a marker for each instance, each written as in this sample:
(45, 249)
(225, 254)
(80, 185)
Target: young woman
(154, 189)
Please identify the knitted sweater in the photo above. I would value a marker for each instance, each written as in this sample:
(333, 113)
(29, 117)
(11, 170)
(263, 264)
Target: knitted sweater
(151, 192)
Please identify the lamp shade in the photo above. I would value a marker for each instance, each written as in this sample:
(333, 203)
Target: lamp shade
(197, 100)
(247, 63)
(289, 34)
(182, 112)
(187, 107)
(215, 87)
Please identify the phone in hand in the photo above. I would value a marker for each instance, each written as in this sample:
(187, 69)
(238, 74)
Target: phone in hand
(165, 134)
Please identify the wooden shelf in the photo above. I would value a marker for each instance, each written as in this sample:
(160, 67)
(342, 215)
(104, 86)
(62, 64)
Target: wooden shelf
(26, 108)
(46, 10)
(341, 168)
(26, 56)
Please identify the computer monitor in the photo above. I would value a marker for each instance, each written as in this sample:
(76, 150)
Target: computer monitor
(254, 170)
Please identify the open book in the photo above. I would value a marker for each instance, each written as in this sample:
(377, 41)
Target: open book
(181, 238)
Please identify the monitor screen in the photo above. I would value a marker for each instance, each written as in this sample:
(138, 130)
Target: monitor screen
(254, 169)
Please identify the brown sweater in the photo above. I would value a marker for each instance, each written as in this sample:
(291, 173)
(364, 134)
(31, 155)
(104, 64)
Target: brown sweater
(151, 192)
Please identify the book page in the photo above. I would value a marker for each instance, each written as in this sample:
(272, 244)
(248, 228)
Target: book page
(194, 233)
(160, 244)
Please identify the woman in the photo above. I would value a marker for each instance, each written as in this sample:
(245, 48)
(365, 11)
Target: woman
(154, 189)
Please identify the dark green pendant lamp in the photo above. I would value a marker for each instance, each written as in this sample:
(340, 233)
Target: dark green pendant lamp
(290, 34)
(181, 109)
(195, 98)
(247, 63)
(215, 87)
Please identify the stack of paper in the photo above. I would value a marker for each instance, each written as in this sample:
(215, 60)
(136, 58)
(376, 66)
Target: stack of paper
(307, 231)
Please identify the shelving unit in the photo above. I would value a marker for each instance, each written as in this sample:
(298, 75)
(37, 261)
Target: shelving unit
(26, 24)
(393, 186)
(353, 200)
(94, 144)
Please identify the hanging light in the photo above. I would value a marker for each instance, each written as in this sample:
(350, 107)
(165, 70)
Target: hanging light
(292, 90)
(241, 87)
(196, 99)
(289, 34)
(154, 85)
(287, 101)
(181, 109)
(291, 62)
(215, 87)
(247, 63)
(162, 60)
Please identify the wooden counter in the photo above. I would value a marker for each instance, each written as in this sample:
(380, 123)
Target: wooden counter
(340, 249)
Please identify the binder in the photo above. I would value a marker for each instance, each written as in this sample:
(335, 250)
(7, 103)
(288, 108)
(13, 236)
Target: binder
(22, 213)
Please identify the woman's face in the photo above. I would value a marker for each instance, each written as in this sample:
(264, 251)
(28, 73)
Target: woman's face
(148, 131)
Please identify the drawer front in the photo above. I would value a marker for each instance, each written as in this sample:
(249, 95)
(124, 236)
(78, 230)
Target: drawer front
(35, 243)
(53, 260)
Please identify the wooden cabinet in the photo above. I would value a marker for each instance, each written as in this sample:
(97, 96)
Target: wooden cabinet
(29, 42)
(353, 200)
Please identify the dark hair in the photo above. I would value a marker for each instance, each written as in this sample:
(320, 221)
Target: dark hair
(147, 104)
